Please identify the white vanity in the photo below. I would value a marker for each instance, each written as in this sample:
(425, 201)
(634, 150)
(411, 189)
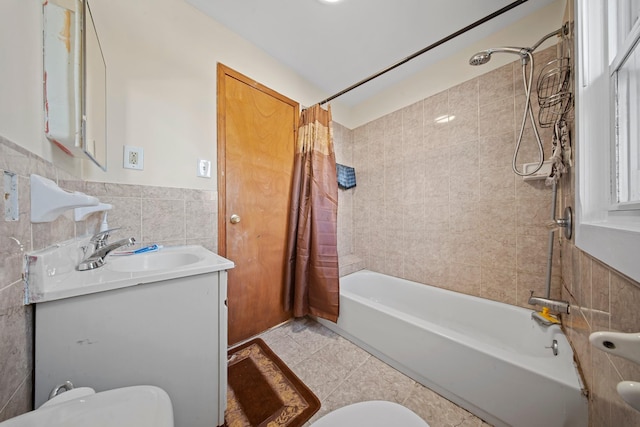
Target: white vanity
(148, 319)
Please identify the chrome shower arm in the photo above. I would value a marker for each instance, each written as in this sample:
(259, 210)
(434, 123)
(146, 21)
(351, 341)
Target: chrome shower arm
(559, 31)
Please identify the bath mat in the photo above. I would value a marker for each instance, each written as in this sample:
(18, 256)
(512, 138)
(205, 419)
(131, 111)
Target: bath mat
(262, 391)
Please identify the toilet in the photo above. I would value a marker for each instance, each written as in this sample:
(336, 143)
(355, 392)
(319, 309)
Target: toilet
(375, 413)
(135, 406)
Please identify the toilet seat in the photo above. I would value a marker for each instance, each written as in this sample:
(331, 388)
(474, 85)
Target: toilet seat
(375, 413)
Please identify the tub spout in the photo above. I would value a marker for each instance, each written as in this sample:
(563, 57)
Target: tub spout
(551, 304)
(544, 317)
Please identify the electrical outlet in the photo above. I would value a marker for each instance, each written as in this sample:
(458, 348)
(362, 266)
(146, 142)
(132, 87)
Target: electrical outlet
(204, 168)
(133, 157)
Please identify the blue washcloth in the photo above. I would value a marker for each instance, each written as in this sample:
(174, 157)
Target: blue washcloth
(346, 176)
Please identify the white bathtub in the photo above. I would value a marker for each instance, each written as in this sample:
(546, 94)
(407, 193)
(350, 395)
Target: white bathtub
(489, 358)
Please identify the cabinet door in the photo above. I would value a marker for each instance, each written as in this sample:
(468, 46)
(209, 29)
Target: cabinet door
(222, 339)
(164, 334)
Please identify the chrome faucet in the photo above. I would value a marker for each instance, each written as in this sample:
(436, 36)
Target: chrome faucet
(101, 249)
(543, 317)
(552, 304)
(99, 240)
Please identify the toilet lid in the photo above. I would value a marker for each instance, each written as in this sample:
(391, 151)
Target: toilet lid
(375, 413)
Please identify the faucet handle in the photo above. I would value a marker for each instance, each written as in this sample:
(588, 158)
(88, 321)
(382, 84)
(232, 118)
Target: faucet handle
(100, 238)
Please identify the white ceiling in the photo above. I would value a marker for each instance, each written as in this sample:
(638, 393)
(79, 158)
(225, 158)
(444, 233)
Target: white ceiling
(337, 45)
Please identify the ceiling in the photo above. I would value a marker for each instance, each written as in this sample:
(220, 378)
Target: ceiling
(337, 45)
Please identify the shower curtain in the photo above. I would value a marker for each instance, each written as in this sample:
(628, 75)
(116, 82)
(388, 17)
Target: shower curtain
(312, 285)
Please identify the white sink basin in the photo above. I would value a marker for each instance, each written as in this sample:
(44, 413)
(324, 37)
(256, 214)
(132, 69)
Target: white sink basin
(151, 261)
(51, 273)
(138, 406)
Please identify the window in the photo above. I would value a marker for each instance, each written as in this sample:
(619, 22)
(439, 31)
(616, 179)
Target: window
(608, 167)
(624, 67)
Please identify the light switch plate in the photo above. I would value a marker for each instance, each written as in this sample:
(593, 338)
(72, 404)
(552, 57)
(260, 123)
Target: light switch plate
(204, 168)
(133, 157)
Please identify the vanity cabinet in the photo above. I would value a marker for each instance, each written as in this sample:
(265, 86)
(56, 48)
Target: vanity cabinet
(169, 333)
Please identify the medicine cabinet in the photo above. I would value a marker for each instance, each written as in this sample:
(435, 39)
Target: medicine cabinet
(75, 77)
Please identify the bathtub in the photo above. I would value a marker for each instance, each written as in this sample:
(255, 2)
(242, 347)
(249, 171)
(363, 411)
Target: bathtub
(488, 357)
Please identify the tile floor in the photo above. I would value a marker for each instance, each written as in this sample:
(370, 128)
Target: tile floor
(341, 373)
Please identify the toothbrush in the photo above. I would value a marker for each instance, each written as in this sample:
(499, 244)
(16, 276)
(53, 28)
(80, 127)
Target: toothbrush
(150, 248)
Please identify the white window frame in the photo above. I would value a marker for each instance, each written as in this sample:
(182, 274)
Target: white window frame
(605, 230)
(619, 52)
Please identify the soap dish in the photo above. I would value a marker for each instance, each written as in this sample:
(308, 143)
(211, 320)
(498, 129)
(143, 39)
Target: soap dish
(48, 201)
(626, 345)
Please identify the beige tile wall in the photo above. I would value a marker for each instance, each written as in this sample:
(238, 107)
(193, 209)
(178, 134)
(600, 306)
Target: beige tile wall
(601, 300)
(438, 203)
(349, 262)
(150, 214)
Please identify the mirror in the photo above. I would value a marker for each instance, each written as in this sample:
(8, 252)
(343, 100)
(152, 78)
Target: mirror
(95, 95)
(74, 80)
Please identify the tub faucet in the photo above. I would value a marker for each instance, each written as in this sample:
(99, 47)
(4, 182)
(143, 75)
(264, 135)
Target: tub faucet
(544, 317)
(101, 250)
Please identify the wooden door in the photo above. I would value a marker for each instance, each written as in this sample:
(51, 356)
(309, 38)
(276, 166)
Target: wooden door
(256, 140)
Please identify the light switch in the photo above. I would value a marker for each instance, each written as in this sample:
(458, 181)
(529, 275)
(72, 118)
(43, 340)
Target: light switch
(204, 168)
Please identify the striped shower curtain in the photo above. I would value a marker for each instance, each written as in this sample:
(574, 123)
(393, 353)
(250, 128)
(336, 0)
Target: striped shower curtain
(312, 285)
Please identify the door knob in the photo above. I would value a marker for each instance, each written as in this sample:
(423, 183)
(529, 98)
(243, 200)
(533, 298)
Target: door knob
(234, 219)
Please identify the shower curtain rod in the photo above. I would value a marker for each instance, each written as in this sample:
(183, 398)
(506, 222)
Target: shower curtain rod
(426, 49)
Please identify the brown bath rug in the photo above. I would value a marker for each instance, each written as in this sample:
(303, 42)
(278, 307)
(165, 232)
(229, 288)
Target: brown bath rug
(263, 392)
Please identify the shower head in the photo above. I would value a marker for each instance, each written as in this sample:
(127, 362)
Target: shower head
(480, 58)
(484, 56)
